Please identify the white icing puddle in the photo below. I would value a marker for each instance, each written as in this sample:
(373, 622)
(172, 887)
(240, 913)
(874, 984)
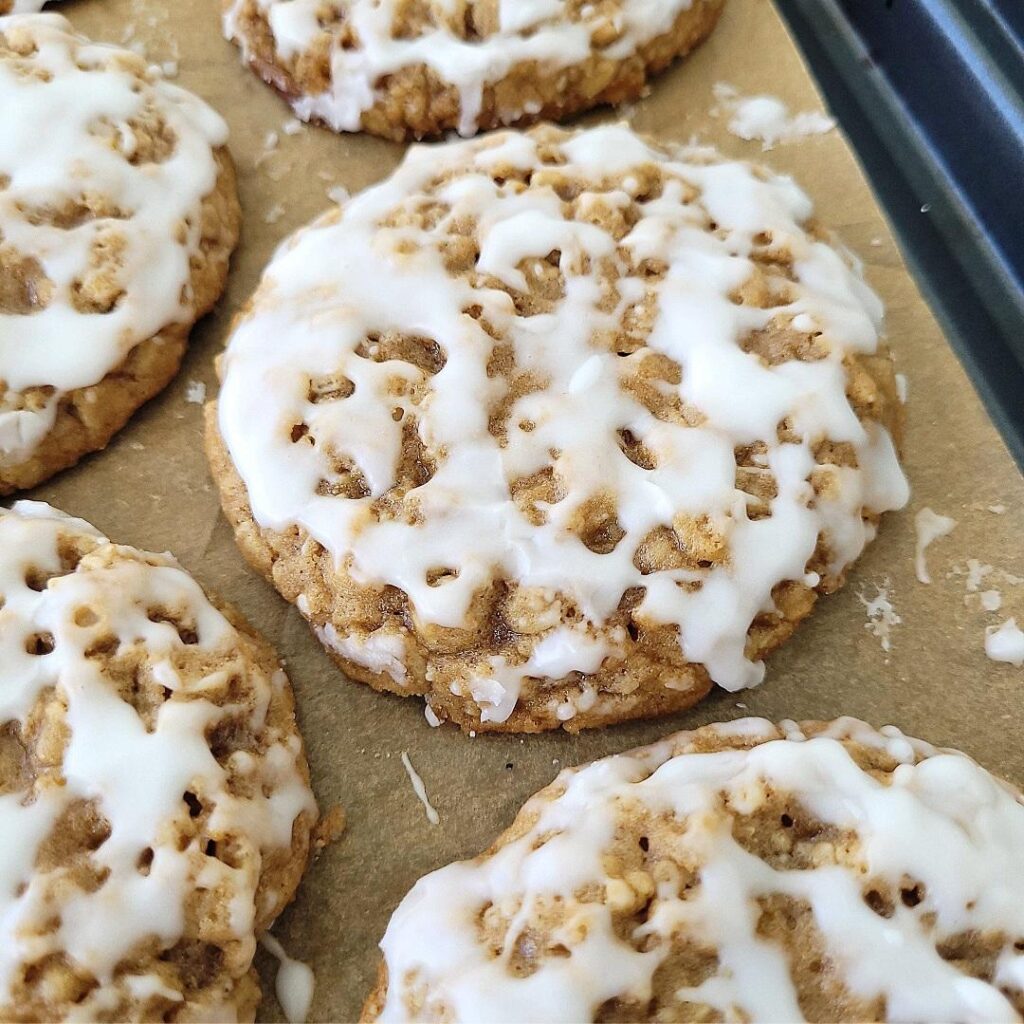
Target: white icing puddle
(420, 790)
(930, 526)
(881, 614)
(1005, 643)
(766, 119)
(294, 983)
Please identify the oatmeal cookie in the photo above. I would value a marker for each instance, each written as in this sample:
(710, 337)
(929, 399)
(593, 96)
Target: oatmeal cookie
(118, 214)
(416, 68)
(555, 429)
(738, 872)
(155, 804)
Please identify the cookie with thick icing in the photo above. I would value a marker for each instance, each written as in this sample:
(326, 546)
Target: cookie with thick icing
(155, 804)
(738, 872)
(557, 429)
(415, 68)
(116, 225)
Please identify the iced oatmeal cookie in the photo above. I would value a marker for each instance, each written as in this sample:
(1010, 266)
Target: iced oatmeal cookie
(557, 429)
(414, 68)
(118, 215)
(155, 805)
(739, 872)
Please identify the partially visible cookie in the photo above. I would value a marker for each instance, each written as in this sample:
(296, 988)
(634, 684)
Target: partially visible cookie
(22, 6)
(739, 872)
(118, 214)
(416, 68)
(155, 805)
(558, 428)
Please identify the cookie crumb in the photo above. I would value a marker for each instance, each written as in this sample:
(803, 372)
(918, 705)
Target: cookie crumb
(331, 826)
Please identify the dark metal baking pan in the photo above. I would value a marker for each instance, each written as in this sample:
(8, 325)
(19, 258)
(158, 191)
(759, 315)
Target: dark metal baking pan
(931, 96)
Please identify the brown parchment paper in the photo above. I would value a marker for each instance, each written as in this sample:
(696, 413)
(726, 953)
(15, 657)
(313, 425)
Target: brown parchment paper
(151, 488)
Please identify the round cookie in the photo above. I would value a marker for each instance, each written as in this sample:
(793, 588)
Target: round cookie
(154, 794)
(556, 429)
(738, 872)
(118, 214)
(414, 68)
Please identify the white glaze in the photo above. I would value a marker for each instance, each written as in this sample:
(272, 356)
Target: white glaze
(979, 578)
(137, 777)
(929, 527)
(881, 613)
(52, 153)
(420, 789)
(334, 283)
(943, 821)
(977, 572)
(539, 30)
(377, 651)
(1005, 643)
(294, 983)
(767, 119)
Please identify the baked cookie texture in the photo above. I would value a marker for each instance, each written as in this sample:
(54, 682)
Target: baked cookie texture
(154, 795)
(555, 429)
(415, 68)
(116, 226)
(823, 872)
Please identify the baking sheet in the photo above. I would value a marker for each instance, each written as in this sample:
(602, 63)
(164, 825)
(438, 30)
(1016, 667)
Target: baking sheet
(151, 488)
